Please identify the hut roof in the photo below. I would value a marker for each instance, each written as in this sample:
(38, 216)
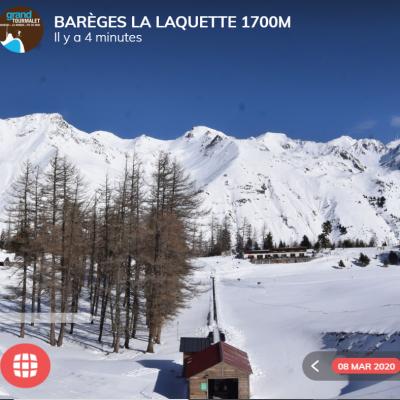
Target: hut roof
(194, 344)
(214, 354)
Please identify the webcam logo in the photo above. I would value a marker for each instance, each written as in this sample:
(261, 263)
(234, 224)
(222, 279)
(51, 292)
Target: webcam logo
(25, 365)
(21, 29)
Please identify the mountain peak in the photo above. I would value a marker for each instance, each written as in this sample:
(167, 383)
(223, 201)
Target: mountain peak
(276, 137)
(37, 117)
(42, 124)
(199, 132)
(275, 141)
(343, 141)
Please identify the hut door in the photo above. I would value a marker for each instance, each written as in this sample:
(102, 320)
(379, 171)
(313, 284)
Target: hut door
(223, 389)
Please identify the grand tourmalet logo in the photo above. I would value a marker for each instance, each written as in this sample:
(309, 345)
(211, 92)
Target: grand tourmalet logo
(21, 29)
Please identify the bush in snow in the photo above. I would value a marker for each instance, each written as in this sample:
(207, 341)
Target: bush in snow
(393, 258)
(363, 259)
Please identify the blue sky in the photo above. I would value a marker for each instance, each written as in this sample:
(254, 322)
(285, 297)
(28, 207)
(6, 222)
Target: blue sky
(335, 72)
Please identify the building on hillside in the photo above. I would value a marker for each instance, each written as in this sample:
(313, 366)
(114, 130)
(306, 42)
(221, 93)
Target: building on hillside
(280, 255)
(220, 371)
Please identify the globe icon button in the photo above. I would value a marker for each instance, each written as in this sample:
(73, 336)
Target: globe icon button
(25, 365)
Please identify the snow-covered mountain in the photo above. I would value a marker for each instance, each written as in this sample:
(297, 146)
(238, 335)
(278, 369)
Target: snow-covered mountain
(290, 185)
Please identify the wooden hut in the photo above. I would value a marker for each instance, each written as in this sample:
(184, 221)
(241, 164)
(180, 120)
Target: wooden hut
(221, 371)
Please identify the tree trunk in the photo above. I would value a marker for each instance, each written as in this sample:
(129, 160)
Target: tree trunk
(127, 302)
(64, 298)
(117, 316)
(104, 303)
(34, 278)
(150, 342)
(23, 302)
(135, 305)
(40, 285)
(53, 303)
(157, 338)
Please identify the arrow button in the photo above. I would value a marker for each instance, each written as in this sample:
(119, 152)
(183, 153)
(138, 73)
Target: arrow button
(314, 366)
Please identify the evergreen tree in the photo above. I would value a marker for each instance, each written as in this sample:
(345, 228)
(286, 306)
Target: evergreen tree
(323, 238)
(224, 236)
(239, 245)
(268, 243)
(247, 229)
(249, 244)
(348, 243)
(327, 228)
(305, 242)
(214, 248)
(323, 241)
(263, 232)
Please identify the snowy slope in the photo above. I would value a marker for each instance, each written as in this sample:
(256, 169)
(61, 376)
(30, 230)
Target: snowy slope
(290, 185)
(280, 313)
(276, 313)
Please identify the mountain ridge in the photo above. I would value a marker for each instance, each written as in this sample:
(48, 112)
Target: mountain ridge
(54, 116)
(290, 185)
